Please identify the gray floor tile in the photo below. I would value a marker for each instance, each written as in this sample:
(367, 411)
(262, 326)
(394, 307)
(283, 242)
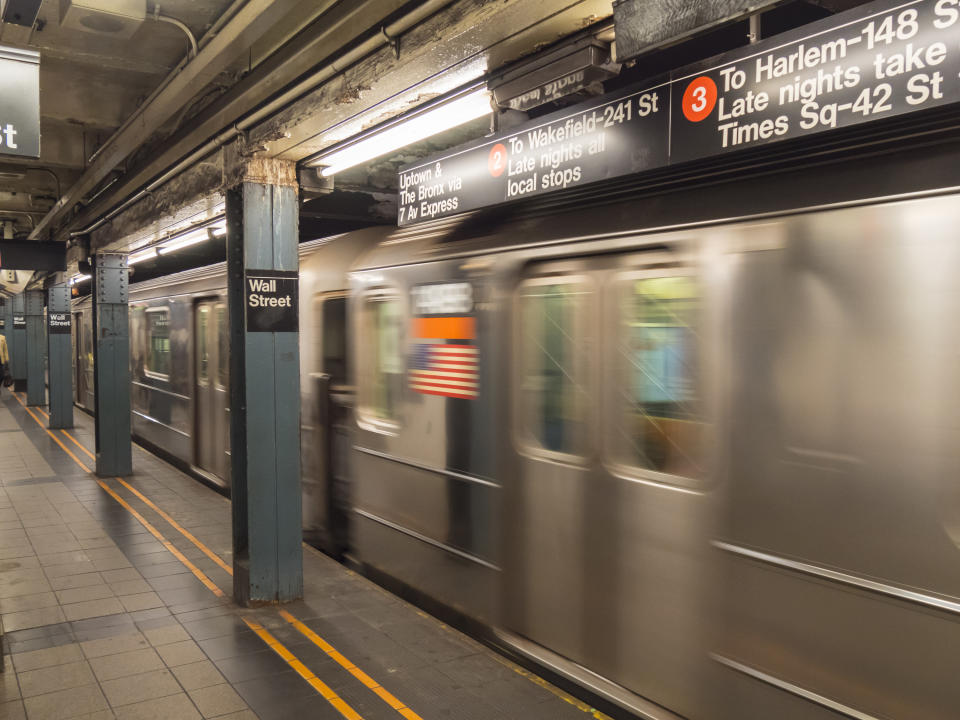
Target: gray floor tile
(130, 587)
(32, 618)
(13, 710)
(181, 653)
(166, 634)
(60, 655)
(19, 603)
(68, 582)
(17, 588)
(55, 571)
(52, 679)
(111, 667)
(175, 707)
(122, 575)
(10, 688)
(66, 703)
(114, 644)
(141, 601)
(137, 688)
(92, 609)
(84, 594)
(194, 676)
(217, 700)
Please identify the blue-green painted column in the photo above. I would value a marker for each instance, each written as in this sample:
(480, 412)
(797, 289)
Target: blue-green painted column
(60, 359)
(36, 348)
(111, 363)
(18, 348)
(262, 238)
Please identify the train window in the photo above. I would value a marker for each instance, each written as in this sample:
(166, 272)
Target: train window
(658, 425)
(554, 364)
(158, 348)
(381, 363)
(223, 346)
(335, 339)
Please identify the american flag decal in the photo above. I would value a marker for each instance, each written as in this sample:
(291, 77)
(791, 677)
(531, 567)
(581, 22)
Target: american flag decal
(445, 369)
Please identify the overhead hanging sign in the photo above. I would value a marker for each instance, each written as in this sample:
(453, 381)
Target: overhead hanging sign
(877, 61)
(19, 102)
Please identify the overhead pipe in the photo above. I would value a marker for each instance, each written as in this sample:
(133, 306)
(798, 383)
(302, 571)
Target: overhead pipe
(216, 43)
(178, 24)
(387, 37)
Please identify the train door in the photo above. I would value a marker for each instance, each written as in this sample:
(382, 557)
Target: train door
(210, 396)
(557, 311)
(607, 512)
(329, 402)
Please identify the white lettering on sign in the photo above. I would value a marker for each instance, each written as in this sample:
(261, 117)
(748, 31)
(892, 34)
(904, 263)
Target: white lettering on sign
(258, 298)
(442, 299)
(8, 137)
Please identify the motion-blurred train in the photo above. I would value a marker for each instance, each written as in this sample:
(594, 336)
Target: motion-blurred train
(695, 449)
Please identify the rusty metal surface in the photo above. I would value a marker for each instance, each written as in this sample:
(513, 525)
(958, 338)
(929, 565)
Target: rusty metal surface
(645, 25)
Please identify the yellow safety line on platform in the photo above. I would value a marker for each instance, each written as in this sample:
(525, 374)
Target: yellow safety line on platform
(303, 671)
(211, 586)
(47, 431)
(331, 651)
(176, 526)
(173, 523)
(359, 674)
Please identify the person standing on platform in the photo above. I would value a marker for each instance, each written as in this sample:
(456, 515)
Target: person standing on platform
(5, 363)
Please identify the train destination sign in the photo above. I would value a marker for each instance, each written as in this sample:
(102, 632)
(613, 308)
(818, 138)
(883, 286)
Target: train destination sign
(876, 61)
(272, 300)
(58, 323)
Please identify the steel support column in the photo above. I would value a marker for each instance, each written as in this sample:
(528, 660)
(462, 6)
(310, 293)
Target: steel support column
(262, 236)
(59, 354)
(111, 362)
(18, 348)
(36, 376)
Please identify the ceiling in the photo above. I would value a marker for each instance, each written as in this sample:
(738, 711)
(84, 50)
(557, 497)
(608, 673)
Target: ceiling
(91, 82)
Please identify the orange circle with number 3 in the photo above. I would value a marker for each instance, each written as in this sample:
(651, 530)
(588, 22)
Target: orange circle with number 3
(497, 162)
(699, 99)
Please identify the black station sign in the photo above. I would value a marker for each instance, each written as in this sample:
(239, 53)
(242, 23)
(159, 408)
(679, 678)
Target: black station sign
(19, 322)
(20, 105)
(272, 300)
(877, 61)
(58, 323)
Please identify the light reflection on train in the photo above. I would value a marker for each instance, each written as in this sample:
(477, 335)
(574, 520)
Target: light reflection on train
(705, 472)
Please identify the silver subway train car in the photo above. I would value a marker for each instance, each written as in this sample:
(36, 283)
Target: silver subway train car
(693, 450)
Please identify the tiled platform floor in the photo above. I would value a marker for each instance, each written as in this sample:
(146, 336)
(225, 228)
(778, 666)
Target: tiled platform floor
(105, 617)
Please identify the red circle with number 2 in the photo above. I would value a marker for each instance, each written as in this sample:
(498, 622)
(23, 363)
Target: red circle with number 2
(699, 99)
(497, 162)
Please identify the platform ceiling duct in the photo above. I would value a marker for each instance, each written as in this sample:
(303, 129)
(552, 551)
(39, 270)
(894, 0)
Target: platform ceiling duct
(117, 18)
(643, 26)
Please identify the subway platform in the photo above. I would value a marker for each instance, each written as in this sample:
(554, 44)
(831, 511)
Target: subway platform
(116, 603)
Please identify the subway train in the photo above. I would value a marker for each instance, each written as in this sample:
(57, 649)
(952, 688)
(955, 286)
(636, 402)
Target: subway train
(691, 446)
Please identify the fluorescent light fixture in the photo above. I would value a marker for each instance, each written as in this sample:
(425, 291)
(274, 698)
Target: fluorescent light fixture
(178, 243)
(77, 279)
(418, 127)
(219, 229)
(141, 255)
